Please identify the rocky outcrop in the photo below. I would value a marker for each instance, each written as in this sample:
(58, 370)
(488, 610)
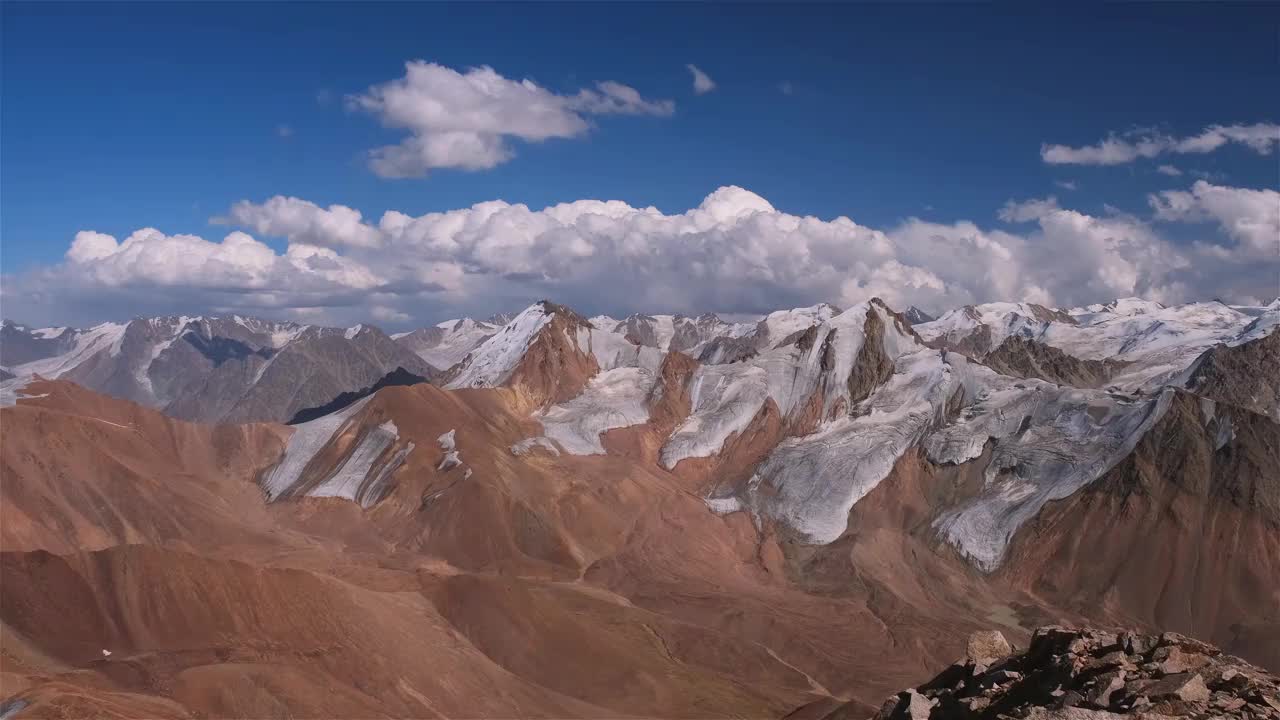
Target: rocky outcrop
(728, 350)
(554, 368)
(873, 366)
(1243, 375)
(1023, 357)
(915, 316)
(1080, 674)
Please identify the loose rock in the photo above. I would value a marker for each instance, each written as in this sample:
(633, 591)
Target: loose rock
(1082, 674)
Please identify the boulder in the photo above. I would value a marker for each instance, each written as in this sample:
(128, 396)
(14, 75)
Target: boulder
(986, 647)
(1187, 687)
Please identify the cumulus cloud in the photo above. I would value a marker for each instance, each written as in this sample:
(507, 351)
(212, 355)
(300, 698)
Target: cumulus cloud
(466, 120)
(1251, 217)
(1169, 170)
(1261, 138)
(303, 221)
(1028, 210)
(1066, 184)
(239, 263)
(733, 252)
(702, 83)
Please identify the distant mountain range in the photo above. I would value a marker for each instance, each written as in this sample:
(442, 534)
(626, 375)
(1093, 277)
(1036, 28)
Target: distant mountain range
(229, 369)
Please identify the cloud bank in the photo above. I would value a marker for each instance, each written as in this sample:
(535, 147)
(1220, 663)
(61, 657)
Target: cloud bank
(733, 252)
(466, 120)
(1261, 138)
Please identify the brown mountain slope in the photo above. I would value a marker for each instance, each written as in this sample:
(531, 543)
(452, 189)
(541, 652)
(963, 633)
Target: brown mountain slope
(1184, 534)
(82, 471)
(1243, 375)
(302, 606)
(1023, 357)
(483, 579)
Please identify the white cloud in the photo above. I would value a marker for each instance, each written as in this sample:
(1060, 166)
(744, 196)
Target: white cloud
(1121, 149)
(733, 252)
(465, 120)
(1169, 170)
(1028, 210)
(238, 264)
(702, 83)
(305, 222)
(1066, 184)
(1251, 217)
(614, 98)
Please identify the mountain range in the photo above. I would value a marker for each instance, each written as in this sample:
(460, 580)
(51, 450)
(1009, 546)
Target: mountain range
(658, 515)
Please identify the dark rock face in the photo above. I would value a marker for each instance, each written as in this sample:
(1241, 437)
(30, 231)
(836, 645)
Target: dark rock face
(1081, 674)
(396, 377)
(915, 316)
(1023, 357)
(219, 349)
(728, 350)
(1243, 375)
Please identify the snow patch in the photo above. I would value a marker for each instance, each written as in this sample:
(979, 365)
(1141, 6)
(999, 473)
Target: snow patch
(307, 440)
(811, 482)
(1049, 442)
(11, 390)
(49, 333)
(448, 444)
(354, 474)
(526, 446)
(612, 399)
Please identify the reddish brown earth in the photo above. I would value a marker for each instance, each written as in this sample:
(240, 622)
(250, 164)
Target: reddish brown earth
(557, 586)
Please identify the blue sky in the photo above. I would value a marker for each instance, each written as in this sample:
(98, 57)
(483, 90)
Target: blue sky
(120, 117)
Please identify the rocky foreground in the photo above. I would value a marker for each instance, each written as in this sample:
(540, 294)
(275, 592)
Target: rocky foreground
(1078, 674)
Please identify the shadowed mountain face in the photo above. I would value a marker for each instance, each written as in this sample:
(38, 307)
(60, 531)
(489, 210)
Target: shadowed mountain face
(396, 377)
(219, 350)
(572, 523)
(212, 369)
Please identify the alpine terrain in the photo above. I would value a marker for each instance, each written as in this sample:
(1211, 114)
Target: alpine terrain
(553, 515)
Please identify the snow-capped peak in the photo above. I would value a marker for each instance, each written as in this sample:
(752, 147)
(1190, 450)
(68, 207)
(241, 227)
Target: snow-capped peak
(490, 364)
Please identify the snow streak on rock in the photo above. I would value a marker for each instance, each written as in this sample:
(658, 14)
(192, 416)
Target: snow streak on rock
(358, 479)
(362, 476)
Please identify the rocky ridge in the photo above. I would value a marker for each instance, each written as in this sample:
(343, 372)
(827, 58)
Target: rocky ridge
(1085, 674)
